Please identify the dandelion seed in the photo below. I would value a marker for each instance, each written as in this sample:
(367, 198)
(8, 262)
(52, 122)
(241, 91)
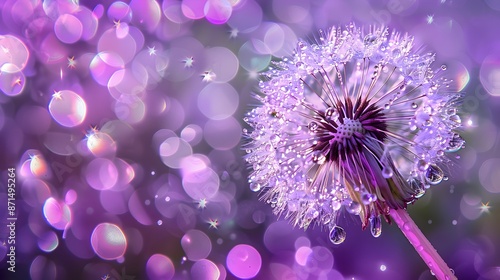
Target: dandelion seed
(358, 122)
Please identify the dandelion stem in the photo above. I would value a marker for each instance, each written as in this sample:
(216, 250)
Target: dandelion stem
(423, 247)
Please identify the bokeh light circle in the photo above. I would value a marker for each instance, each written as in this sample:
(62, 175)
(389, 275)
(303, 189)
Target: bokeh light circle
(223, 134)
(244, 261)
(196, 245)
(489, 175)
(67, 108)
(205, 270)
(68, 28)
(108, 241)
(218, 101)
(160, 267)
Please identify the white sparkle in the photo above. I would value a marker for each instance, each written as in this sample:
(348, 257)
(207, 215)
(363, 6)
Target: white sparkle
(430, 19)
(208, 76)
(233, 33)
(188, 61)
(152, 50)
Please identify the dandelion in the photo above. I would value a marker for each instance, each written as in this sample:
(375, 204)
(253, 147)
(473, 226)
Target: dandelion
(357, 122)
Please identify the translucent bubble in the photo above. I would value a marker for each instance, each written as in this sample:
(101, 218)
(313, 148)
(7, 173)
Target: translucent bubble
(196, 245)
(193, 9)
(489, 175)
(101, 174)
(146, 13)
(14, 51)
(353, 207)
(108, 241)
(42, 268)
(100, 144)
(205, 270)
(70, 197)
(218, 101)
(67, 108)
(89, 20)
(222, 62)
(337, 235)
(240, 19)
(251, 59)
(130, 110)
(223, 134)
(124, 46)
(489, 75)
(173, 12)
(104, 65)
(160, 267)
(119, 11)
(12, 80)
(455, 143)
(218, 11)
(318, 157)
(128, 83)
(201, 184)
(244, 261)
(376, 226)
(293, 11)
(434, 175)
(68, 28)
(48, 242)
(192, 133)
(57, 214)
(173, 150)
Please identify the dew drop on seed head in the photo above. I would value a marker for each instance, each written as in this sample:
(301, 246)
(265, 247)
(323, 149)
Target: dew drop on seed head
(313, 126)
(422, 165)
(255, 187)
(331, 114)
(368, 198)
(376, 226)
(434, 175)
(318, 157)
(387, 172)
(337, 235)
(353, 207)
(455, 143)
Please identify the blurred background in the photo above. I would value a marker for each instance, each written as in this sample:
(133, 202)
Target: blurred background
(123, 122)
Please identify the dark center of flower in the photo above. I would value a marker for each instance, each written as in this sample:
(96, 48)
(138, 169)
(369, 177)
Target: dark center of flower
(342, 130)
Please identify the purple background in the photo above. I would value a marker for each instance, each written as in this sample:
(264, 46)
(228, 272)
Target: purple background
(156, 93)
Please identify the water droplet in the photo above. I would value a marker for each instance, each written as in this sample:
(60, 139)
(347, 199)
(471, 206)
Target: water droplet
(301, 45)
(311, 213)
(387, 106)
(313, 126)
(318, 157)
(331, 114)
(414, 105)
(370, 39)
(255, 187)
(387, 172)
(434, 174)
(444, 67)
(337, 235)
(396, 53)
(418, 188)
(368, 198)
(455, 143)
(383, 267)
(336, 205)
(376, 226)
(422, 165)
(455, 120)
(353, 207)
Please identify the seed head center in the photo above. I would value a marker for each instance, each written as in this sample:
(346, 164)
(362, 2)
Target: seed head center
(347, 129)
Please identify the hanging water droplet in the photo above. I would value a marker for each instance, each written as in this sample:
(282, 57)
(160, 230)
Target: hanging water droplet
(387, 172)
(376, 226)
(301, 45)
(444, 67)
(455, 120)
(434, 174)
(418, 188)
(255, 187)
(318, 157)
(370, 39)
(422, 165)
(331, 114)
(414, 105)
(353, 207)
(387, 106)
(368, 198)
(293, 205)
(313, 126)
(456, 142)
(337, 235)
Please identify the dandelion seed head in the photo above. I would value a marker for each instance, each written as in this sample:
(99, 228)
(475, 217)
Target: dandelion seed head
(357, 121)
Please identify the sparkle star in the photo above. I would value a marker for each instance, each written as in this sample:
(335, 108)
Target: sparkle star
(117, 23)
(202, 203)
(485, 207)
(213, 223)
(57, 95)
(188, 61)
(430, 19)
(152, 50)
(208, 76)
(233, 33)
(105, 277)
(71, 62)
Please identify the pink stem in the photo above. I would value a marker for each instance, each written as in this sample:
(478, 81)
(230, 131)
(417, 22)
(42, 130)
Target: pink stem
(423, 247)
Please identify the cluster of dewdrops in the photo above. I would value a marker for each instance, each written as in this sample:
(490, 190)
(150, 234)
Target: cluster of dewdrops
(420, 113)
